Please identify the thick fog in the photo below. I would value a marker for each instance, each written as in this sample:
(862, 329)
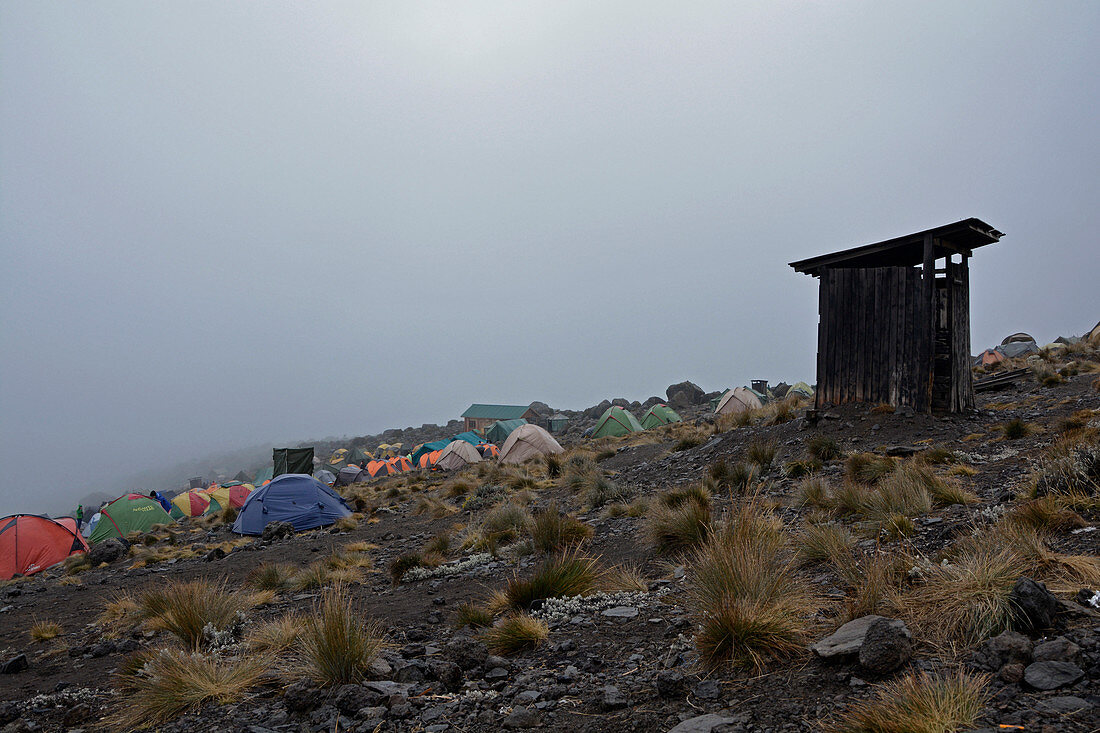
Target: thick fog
(228, 224)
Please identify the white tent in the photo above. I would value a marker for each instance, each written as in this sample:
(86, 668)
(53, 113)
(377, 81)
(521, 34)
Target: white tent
(528, 441)
(739, 399)
(458, 454)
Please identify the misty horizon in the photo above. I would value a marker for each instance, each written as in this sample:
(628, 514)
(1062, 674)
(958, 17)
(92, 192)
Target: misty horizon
(229, 226)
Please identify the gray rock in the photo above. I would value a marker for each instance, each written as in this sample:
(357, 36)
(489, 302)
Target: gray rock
(612, 699)
(521, 717)
(845, 640)
(1008, 647)
(496, 673)
(16, 664)
(1012, 672)
(386, 688)
(1034, 606)
(1052, 675)
(685, 393)
(1059, 649)
(702, 724)
(449, 673)
(1065, 704)
(706, 690)
(886, 646)
(107, 551)
(351, 698)
(302, 696)
(276, 531)
(465, 651)
(620, 612)
(670, 683)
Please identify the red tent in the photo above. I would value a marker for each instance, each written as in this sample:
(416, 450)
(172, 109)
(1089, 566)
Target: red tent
(30, 544)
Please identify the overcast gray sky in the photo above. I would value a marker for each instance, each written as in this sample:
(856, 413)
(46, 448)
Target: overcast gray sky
(223, 224)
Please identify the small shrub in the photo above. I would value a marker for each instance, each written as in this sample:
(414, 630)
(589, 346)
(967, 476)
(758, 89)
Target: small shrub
(761, 453)
(45, 630)
(516, 633)
(174, 682)
(917, 703)
(335, 647)
(823, 448)
(473, 616)
(559, 577)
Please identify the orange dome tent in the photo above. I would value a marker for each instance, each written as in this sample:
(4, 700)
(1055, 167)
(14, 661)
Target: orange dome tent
(401, 463)
(428, 460)
(380, 468)
(30, 544)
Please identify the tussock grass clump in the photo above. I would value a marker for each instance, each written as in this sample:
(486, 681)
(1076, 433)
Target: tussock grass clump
(552, 531)
(75, 564)
(1046, 514)
(904, 491)
(938, 456)
(825, 542)
(325, 572)
(175, 682)
(624, 579)
(873, 579)
(679, 521)
(185, 610)
(335, 647)
(553, 464)
(849, 498)
(563, 576)
(403, 564)
(273, 576)
(719, 473)
(882, 408)
(743, 476)
(441, 544)
(119, 614)
(604, 453)
(751, 606)
(515, 634)
(274, 636)
(433, 507)
(823, 448)
(966, 600)
(45, 630)
(523, 481)
(474, 616)
(801, 468)
(814, 491)
(917, 704)
(867, 468)
(761, 452)
(1016, 428)
(602, 491)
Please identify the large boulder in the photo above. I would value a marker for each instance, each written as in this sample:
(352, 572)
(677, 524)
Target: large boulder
(1052, 675)
(886, 646)
(541, 408)
(107, 551)
(1034, 607)
(276, 531)
(685, 394)
(1008, 647)
(847, 639)
(596, 411)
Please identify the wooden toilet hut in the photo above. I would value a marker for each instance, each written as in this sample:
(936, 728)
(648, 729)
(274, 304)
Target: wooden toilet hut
(894, 319)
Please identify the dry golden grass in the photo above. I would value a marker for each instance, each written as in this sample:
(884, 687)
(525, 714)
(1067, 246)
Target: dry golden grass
(335, 646)
(273, 576)
(917, 704)
(872, 580)
(120, 614)
(274, 636)
(624, 578)
(474, 616)
(679, 521)
(552, 531)
(174, 682)
(562, 576)
(1047, 513)
(187, 609)
(825, 542)
(45, 630)
(867, 468)
(516, 633)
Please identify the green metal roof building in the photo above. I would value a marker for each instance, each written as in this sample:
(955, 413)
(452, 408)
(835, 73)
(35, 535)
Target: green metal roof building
(480, 416)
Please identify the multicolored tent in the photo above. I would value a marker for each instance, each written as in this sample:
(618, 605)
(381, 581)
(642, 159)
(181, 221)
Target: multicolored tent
(488, 451)
(428, 460)
(191, 503)
(233, 495)
(299, 499)
(428, 448)
(388, 450)
(616, 421)
(29, 544)
(263, 476)
(126, 514)
(659, 415)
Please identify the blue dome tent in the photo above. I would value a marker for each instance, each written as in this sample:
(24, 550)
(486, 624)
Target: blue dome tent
(301, 500)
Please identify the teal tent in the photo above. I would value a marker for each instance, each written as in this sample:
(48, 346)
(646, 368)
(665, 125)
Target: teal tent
(427, 448)
(470, 437)
(499, 431)
(264, 474)
(616, 421)
(659, 415)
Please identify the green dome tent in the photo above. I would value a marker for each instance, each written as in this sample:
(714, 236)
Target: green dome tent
(126, 514)
(499, 431)
(616, 421)
(659, 415)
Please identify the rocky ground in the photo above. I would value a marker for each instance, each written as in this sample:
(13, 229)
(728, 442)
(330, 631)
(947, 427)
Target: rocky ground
(622, 660)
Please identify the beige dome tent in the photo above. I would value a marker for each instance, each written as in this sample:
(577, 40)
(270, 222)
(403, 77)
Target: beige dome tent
(1093, 336)
(738, 400)
(528, 441)
(457, 454)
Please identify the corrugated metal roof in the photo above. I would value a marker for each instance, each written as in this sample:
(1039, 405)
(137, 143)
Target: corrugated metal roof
(496, 412)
